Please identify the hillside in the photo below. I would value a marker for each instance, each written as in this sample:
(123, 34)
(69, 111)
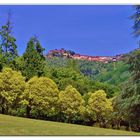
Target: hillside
(10, 125)
(113, 73)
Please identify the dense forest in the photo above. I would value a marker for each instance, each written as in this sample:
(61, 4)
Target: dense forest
(66, 90)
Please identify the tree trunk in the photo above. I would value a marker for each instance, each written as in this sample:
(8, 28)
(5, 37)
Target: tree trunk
(59, 117)
(129, 127)
(118, 125)
(69, 119)
(3, 110)
(28, 110)
(39, 114)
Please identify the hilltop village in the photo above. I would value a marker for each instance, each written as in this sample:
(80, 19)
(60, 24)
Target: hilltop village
(70, 54)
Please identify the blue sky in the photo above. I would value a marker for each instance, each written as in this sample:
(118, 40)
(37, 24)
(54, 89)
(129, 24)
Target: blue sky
(92, 30)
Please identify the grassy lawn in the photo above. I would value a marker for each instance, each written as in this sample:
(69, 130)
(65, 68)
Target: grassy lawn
(10, 125)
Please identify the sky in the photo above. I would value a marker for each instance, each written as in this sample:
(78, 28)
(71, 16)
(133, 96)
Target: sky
(104, 30)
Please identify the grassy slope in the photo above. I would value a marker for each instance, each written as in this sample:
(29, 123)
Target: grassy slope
(10, 125)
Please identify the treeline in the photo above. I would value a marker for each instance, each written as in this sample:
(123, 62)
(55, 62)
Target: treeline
(40, 98)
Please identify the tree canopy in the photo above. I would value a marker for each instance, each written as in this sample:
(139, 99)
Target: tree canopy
(12, 86)
(40, 94)
(99, 106)
(71, 102)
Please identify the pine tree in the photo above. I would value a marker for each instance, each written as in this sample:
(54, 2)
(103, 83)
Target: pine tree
(128, 100)
(33, 59)
(38, 47)
(8, 48)
(136, 18)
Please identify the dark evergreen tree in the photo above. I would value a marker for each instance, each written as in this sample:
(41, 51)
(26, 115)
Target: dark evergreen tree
(136, 18)
(129, 99)
(8, 48)
(38, 46)
(33, 59)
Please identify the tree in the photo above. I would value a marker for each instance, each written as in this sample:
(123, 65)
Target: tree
(12, 86)
(127, 103)
(71, 103)
(73, 65)
(99, 106)
(130, 93)
(8, 48)
(33, 59)
(38, 47)
(41, 94)
(121, 110)
(136, 18)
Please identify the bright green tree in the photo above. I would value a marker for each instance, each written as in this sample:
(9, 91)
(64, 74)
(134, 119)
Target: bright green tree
(12, 86)
(99, 107)
(71, 103)
(33, 59)
(40, 94)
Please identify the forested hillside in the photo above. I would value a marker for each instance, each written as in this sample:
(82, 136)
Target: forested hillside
(113, 73)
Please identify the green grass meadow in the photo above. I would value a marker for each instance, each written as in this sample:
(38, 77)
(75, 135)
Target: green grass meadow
(11, 126)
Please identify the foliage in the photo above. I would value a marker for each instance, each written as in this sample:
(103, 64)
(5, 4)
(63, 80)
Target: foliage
(41, 94)
(127, 103)
(65, 76)
(109, 89)
(33, 59)
(113, 73)
(99, 107)
(136, 18)
(71, 103)
(8, 48)
(99, 74)
(114, 76)
(12, 86)
(128, 100)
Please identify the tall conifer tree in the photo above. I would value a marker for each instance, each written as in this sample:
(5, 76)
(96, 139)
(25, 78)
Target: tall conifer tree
(33, 59)
(8, 47)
